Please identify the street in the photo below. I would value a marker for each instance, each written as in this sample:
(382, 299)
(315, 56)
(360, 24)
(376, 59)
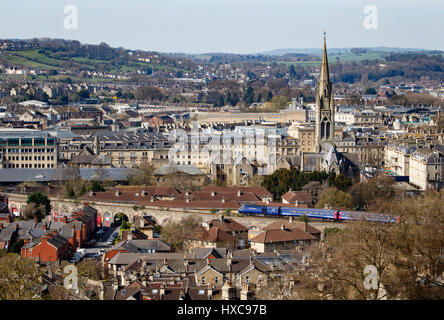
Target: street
(101, 242)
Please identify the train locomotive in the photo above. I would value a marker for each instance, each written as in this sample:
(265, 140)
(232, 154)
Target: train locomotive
(324, 214)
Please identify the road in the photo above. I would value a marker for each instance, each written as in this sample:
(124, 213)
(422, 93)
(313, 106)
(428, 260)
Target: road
(101, 243)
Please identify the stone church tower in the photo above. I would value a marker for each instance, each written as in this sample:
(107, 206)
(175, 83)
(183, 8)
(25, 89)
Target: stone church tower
(325, 110)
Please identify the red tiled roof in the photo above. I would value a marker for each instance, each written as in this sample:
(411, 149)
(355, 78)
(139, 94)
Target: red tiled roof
(258, 191)
(300, 196)
(293, 225)
(213, 234)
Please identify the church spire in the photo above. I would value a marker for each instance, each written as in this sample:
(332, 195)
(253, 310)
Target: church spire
(324, 79)
(325, 113)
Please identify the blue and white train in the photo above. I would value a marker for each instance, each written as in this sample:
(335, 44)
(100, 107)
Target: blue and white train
(335, 215)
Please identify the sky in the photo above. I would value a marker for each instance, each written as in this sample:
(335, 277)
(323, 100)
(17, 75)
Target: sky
(235, 26)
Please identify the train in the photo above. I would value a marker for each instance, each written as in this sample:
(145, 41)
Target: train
(324, 214)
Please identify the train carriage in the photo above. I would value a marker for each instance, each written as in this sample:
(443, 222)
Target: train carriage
(336, 215)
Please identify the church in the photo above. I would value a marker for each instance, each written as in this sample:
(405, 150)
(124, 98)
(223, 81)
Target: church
(325, 156)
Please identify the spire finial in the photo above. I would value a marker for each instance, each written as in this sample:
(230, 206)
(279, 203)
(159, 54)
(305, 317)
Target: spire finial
(325, 35)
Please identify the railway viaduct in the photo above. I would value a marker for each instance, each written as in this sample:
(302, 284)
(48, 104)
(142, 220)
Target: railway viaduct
(108, 210)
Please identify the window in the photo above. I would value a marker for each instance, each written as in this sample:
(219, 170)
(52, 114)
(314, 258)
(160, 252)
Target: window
(247, 279)
(216, 279)
(202, 280)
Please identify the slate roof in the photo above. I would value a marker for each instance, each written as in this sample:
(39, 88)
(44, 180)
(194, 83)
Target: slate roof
(178, 169)
(61, 174)
(142, 245)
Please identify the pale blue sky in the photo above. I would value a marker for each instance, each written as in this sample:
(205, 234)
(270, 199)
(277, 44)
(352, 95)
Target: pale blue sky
(238, 26)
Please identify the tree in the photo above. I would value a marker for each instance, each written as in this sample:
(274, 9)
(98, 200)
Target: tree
(174, 233)
(342, 182)
(249, 96)
(143, 175)
(92, 269)
(403, 260)
(96, 186)
(20, 278)
(83, 94)
(374, 193)
(282, 180)
(148, 93)
(40, 199)
(34, 211)
(335, 198)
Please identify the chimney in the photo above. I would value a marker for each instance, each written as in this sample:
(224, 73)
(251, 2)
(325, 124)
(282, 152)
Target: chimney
(144, 193)
(141, 222)
(117, 193)
(222, 218)
(306, 226)
(187, 200)
(223, 200)
(290, 190)
(152, 199)
(282, 227)
(44, 240)
(129, 236)
(187, 193)
(296, 203)
(239, 193)
(291, 219)
(91, 194)
(213, 193)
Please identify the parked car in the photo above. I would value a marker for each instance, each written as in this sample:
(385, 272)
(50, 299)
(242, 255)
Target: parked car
(81, 252)
(77, 256)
